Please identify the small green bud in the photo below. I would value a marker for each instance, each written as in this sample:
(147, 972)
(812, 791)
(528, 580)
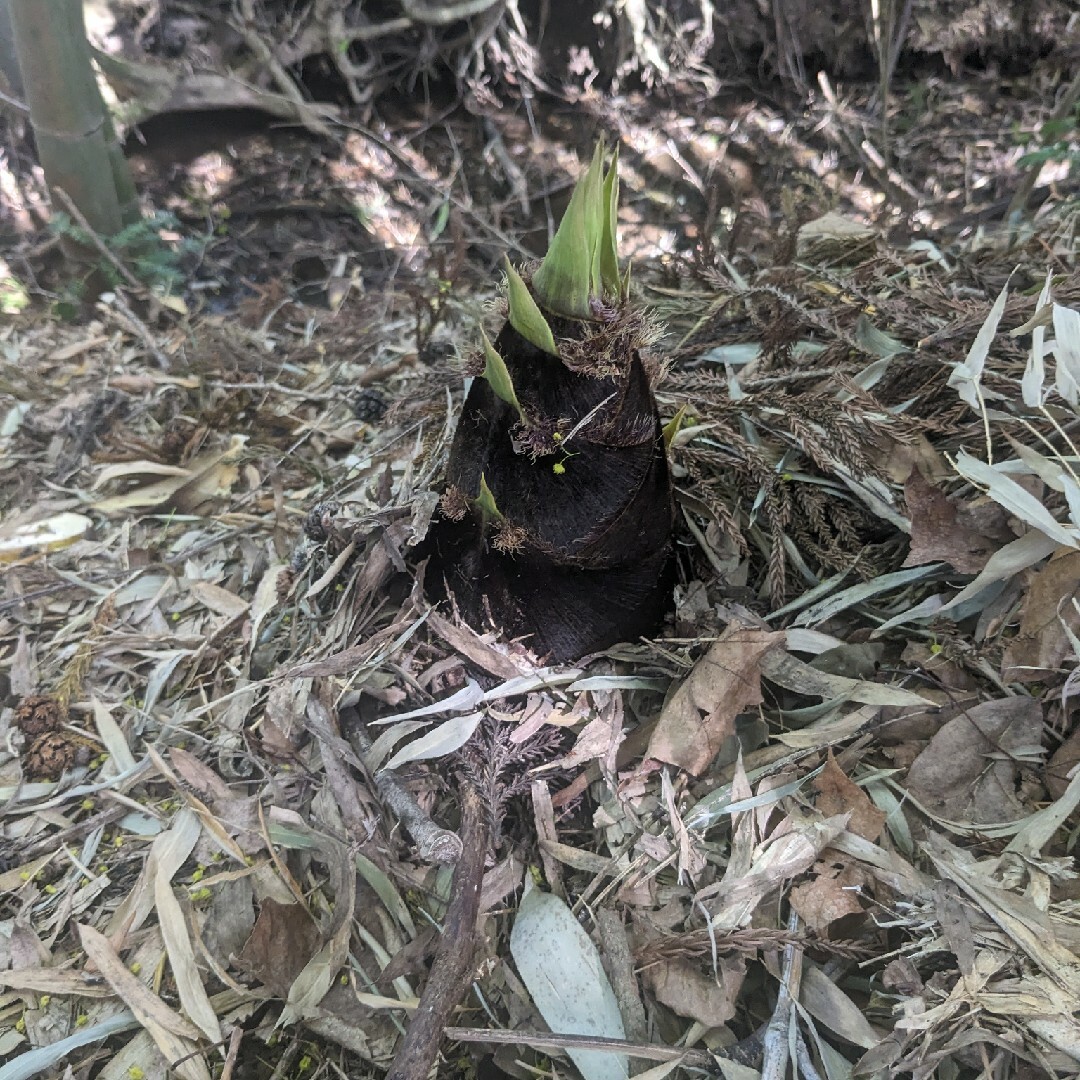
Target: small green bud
(525, 317)
(489, 510)
(582, 264)
(498, 376)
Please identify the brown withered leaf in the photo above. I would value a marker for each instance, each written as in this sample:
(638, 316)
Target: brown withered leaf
(1065, 759)
(901, 458)
(283, 941)
(1041, 645)
(937, 533)
(832, 894)
(902, 976)
(966, 772)
(841, 795)
(683, 988)
(700, 715)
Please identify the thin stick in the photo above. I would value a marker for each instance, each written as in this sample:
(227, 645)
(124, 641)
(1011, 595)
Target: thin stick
(778, 1040)
(543, 1040)
(452, 969)
(121, 311)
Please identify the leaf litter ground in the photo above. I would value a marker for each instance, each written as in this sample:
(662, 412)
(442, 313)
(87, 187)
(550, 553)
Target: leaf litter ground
(829, 809)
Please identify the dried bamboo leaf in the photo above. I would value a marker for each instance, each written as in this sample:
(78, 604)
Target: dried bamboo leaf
(177, 938)
(175, 1037)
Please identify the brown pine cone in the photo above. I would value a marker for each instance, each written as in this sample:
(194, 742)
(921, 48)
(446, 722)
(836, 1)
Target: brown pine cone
(39, 713)
(49, 755)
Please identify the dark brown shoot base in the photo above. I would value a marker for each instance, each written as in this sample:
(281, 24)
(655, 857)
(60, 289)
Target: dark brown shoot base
(581, 554)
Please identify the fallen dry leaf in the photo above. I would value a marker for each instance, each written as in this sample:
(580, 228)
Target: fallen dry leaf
(1063, 762)
(967, 772)
(700, 715)
(840, 795)
(284, 939)
(175, 1037)
(683, 988)
(1041, 644)
(937, 533)
(194, 490)
(831, 894)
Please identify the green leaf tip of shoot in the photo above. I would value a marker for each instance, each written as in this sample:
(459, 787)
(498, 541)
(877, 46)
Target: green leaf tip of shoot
(489, 509)
(582, 264)
(525, 316)
(498, 377)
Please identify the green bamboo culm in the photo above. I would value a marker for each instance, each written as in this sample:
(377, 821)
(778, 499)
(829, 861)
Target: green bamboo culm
(76, 142)
(557, 514)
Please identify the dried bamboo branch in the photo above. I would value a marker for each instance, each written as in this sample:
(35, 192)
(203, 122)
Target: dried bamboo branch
(434, 844)
(452, 970)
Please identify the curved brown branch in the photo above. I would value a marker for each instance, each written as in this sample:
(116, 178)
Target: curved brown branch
(451, 972)
(434, 844)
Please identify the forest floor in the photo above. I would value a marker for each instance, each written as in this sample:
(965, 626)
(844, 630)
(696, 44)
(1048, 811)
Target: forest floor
(839, 776)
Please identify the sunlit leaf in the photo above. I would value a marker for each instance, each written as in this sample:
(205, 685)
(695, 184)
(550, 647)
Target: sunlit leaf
(1067, 352)
(610, 279)
(671, 428)
(1031, 385)
(967, 376)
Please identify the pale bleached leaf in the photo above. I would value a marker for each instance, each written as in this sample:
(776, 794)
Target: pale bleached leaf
(865, 590)
(174, 1036)
(384, 745)
(1031, 385)
(967, 376)
(266, 598)
(124, 470)
(565, 977)
(218, 600)
(1049, 472)
(1067, 352)
(160, 676)
(1013, 558)
(832, 1008)
(468, 697)
(45, 1058)
(877, 342)
(52, 534)
(189, 985)
(1008, 493)
(168, 853)
(449, 736)
(114, 739)
(785, 670)
(1072, 496)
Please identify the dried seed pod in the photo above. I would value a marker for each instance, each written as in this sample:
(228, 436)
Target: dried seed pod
(566, 539)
